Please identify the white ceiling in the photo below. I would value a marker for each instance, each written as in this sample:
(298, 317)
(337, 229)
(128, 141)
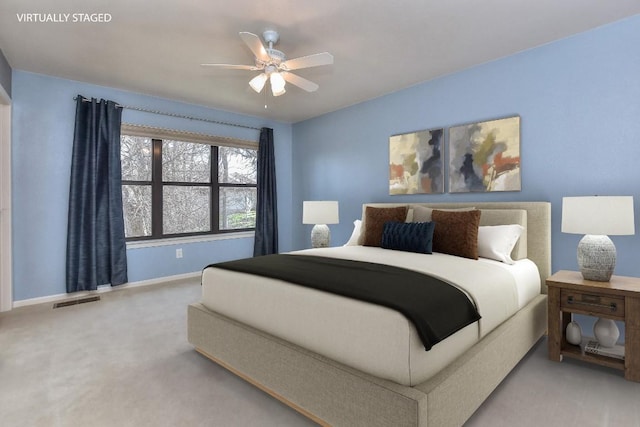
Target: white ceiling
(380, 46)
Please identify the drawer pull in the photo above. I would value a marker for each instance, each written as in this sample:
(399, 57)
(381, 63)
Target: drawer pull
(612, 306)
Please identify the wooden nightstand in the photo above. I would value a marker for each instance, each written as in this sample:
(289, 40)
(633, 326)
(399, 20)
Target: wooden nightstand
(618, 299)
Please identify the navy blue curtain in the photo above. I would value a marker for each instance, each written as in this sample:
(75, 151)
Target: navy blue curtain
(96, 248)
(266, 241)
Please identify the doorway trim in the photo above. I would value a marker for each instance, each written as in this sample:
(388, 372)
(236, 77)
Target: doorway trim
(6, 282)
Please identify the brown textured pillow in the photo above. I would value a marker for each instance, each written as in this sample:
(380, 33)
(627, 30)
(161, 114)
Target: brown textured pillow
(375, 219)
(423, 213)
(456, 233)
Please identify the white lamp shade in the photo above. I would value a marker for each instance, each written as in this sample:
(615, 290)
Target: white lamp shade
(257, 83)
(277, 84)
(320, 212)
(598, 215)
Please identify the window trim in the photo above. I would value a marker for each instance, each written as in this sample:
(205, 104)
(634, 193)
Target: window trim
(186, 136)
(157, 135)
(169, 241)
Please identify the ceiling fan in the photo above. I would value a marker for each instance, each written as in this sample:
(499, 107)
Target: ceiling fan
(274, 65)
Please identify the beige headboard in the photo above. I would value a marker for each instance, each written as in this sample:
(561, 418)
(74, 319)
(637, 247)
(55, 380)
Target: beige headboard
(538, 236)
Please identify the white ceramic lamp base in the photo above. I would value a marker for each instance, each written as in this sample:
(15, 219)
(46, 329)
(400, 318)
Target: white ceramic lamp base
(596, 257)
(320, 236)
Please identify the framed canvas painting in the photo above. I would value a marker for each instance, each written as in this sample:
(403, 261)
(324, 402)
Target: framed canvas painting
(416, 164)
(485, 156)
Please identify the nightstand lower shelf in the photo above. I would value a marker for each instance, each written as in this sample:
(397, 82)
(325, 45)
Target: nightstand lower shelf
(574, 352)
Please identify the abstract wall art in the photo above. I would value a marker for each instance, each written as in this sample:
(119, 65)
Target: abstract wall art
(416, 164)
(485, 156)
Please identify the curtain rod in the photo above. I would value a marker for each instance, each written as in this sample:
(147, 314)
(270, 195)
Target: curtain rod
(144, 110)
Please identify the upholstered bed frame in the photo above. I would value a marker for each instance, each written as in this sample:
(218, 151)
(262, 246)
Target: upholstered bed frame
(334, 394)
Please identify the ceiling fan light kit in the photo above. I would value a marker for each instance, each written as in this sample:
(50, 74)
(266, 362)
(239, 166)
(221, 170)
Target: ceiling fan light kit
(274, 66)
(277, 84)
(257, 83)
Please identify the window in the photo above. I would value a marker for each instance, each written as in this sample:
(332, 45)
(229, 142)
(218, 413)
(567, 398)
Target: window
(183, 184)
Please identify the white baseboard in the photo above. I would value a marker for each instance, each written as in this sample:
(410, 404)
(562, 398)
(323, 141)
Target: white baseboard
(107, 288)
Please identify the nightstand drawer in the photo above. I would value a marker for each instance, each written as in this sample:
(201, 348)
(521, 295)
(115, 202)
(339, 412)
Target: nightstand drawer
(592, 303)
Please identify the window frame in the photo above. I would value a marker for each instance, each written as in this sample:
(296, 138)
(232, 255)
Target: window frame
(157, 136)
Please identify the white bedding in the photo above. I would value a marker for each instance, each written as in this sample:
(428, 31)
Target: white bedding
(368, 337)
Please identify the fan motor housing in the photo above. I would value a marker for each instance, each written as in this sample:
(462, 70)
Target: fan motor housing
(275, 54)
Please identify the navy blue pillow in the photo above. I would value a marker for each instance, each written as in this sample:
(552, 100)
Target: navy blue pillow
(408, 236)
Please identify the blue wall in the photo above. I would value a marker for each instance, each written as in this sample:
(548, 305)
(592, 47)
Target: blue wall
(579, 102)
(43, 123)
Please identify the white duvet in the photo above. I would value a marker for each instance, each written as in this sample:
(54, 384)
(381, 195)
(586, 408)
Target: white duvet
(371, 338)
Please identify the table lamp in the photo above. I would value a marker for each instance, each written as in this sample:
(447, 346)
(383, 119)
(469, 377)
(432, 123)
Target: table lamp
(597, 217)
(320, 213)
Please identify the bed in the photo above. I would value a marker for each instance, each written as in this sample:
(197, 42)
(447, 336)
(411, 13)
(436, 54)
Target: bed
(401, 384)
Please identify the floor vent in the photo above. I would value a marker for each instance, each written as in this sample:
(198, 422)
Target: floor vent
(76, 301)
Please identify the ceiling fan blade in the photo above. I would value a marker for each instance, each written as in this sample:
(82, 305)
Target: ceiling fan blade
(255, 45)
(302, 83)
(233, 67)
(324, 58)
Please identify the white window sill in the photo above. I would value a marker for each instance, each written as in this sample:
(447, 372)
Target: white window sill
(139, 244)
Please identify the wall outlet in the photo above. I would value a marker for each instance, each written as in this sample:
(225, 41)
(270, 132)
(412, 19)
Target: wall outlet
(179, 253)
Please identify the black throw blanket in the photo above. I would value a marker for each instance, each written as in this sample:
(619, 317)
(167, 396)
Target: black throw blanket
(436, 308)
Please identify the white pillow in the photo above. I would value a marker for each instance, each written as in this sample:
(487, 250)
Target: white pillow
(497, 241)
(353, 240)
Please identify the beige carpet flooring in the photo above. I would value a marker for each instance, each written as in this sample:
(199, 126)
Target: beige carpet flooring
(125, 361)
